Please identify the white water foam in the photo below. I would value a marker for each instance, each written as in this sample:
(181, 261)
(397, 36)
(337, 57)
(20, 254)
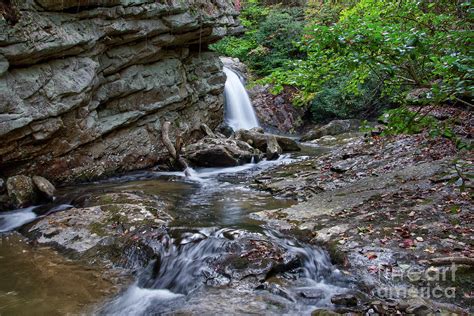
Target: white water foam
(16, 218)
(239, 113)
(136, 300)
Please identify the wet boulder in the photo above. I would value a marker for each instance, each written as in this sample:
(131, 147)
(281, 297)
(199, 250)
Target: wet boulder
(259, 140)
(235, 65)
(225, 130)
(348, 300)
(220, 152)
(273, 149)
(104, 228)
(46, 188)
(251, 258)
(21, 191)
(335, 127)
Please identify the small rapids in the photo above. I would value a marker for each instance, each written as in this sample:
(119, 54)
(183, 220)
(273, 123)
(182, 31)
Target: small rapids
(17, 218)
(185, 272)
(214, 258)
(195, 270)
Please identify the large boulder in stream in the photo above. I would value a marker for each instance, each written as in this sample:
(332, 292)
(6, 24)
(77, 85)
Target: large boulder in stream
(46, 188)
(259, 140)
(273, 148)
(21, 191)
(216, 257)
(106, 228)
(251, 258)
(335, 127)
(221, 152)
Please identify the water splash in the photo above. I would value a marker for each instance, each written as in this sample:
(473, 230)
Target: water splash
(136, 300)
(16, 218)
(239, 113)
(186, 260)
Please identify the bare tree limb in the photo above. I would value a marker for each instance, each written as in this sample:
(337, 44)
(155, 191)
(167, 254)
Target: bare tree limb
(464, 102)
(165, 138)
(174, 150)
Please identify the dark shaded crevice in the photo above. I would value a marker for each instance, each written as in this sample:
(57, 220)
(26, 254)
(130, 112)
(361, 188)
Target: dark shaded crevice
(9, 12)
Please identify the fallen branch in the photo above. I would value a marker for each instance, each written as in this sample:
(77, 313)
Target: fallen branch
(206, 130)
(464, 102)
(165, 138)
(450, 260)
(174, 150)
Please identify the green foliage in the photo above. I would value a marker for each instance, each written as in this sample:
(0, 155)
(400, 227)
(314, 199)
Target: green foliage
(404, 121)
(276, 37)
(270, 40)
(351, 58)
(406, 44)
(253, 14)
(334, 102)
(232, 46)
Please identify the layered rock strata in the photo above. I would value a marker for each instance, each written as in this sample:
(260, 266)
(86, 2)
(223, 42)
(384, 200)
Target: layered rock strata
(86, 85)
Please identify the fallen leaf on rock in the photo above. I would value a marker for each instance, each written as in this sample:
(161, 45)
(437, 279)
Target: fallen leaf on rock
(403, 232)
(407, 243)
(430, 250)
(371, 255)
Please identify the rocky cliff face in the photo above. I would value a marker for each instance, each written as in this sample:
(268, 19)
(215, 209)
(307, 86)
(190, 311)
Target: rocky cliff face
(86, 85)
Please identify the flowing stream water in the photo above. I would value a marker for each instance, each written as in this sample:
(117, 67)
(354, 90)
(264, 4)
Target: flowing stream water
(212, 210)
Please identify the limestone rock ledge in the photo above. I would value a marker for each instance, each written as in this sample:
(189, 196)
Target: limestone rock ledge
(86, 85)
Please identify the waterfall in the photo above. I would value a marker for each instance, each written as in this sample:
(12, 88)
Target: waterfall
(239, 113)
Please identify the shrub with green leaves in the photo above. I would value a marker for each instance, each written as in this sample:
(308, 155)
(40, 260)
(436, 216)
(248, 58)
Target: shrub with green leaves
(334, 102)
(406, 44)
(404, 121)
(270, 40)
(353, 57)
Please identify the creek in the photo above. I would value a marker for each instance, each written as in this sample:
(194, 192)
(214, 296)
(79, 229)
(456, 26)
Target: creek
(214, 257)
(212, 215)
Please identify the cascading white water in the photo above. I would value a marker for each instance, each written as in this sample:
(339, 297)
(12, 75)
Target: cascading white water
(17, 218)
(239, 113)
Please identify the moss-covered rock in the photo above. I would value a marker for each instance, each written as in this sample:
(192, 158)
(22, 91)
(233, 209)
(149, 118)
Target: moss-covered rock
(108, 227)
(21, 191)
